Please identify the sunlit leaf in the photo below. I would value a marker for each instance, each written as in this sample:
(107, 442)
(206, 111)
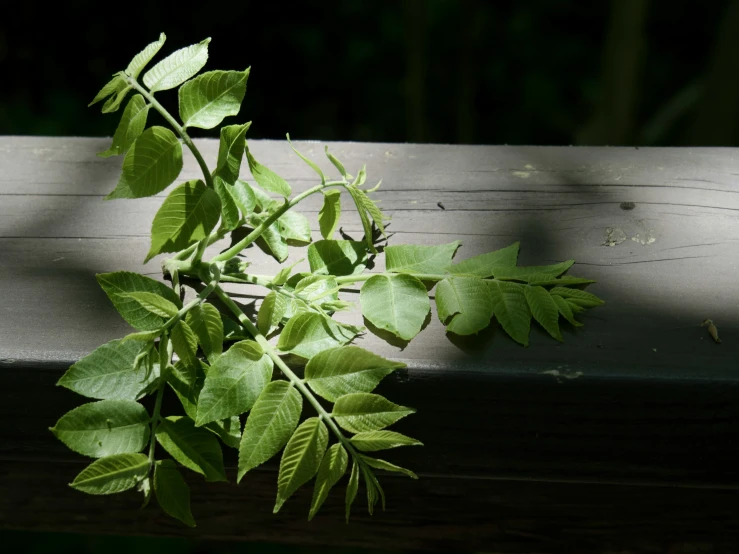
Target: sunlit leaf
(209, 98)
(397, 303)
(362, 411)
(178, 67)
(112, 474)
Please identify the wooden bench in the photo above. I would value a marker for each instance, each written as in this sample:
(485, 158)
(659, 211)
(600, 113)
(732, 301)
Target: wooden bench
(625, 436)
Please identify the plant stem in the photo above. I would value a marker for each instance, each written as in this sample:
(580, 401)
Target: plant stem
(164, 357)
(251, 237)
(176, 126)
(294, 379)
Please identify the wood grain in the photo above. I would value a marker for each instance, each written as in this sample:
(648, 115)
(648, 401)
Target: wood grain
(636, 411)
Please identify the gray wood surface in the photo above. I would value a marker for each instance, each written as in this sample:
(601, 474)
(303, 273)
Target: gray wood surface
(641, 396)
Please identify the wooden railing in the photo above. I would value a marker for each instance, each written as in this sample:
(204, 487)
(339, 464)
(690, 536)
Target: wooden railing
(625, 436)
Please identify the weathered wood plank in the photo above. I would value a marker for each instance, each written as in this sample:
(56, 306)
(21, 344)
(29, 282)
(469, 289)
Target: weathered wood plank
(640, 395)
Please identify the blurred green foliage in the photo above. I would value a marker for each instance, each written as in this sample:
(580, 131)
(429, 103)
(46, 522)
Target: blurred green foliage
(469, 71)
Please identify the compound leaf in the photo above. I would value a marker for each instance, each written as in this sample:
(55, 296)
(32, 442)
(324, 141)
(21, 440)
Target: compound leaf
(464, 304)
(511, 309)
(271, 312)
(565, 310)
(266, 178)
(185, 345)
(294, 228)
(308, 333)
(270, 424)
(359, 412)
(112, 474)
(209, 98)
(172, 492)
(140, 60)
(371, 441)
(132, 124)
(337, 257)
(195, 448)
(544, 309)
(414, 259)
(205, 320)
(229, 208)
(231, 152)
(186, 216)
(301, 458)
(484, 265)
(178, 67)
(397, 303)
(152, 302)
(333, 466)
(104, 428)
(344, 370)
(151, 164)
(117, 285)
(108, 372)
(234, 382)
(328, 217)
(577, 297)
(387, 466)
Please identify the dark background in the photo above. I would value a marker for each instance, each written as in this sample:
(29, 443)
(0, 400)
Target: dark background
(555, 72)
(559, 72)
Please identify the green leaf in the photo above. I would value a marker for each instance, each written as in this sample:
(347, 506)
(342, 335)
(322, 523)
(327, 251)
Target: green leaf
(244, 197)
(317, 287)
(464, 304)
(565, 280)
(108, 373)
(328, 217)
(271, 312)
(307, 160)
(205, 321)
(371, 208)
(337, 164)
(145, 336)
(271, 240)
(347, 369)
(578, 297)
(117, 83)
(187, 384)
(364, 218)
(333, 466)
(352, 488)
(114, 102)
(151, 164)
(104, 428)
(337, 257)
(229, 208)
(172, 492)
(117, 286)
(266, 178)
(565, 310)
(230, 153)
(186, 216)
(234, 382)
(485, 264)
(361, 411)
(398, 303)
(301, 458)
(414, 259)
(511, 309)
(185, 345)
(294, 228)
(228, 430)
(209, 98)
(374, 490)
(140, 60)
(531, 272)
(112, 474)
(284, 274)
(270, 424)
(308, 333)
(387, 466)
(371, 441)
(152, 302)
(544, 309)
(178, 67)
(132, 124)
(196, 449)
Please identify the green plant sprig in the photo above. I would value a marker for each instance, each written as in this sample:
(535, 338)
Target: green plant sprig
(221, 364)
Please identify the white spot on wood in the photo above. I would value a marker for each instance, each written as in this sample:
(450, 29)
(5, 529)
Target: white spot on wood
(58, 259)
(564, 375)
(644, 238)
(529, 167)
(521, 174)
(614, 236)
